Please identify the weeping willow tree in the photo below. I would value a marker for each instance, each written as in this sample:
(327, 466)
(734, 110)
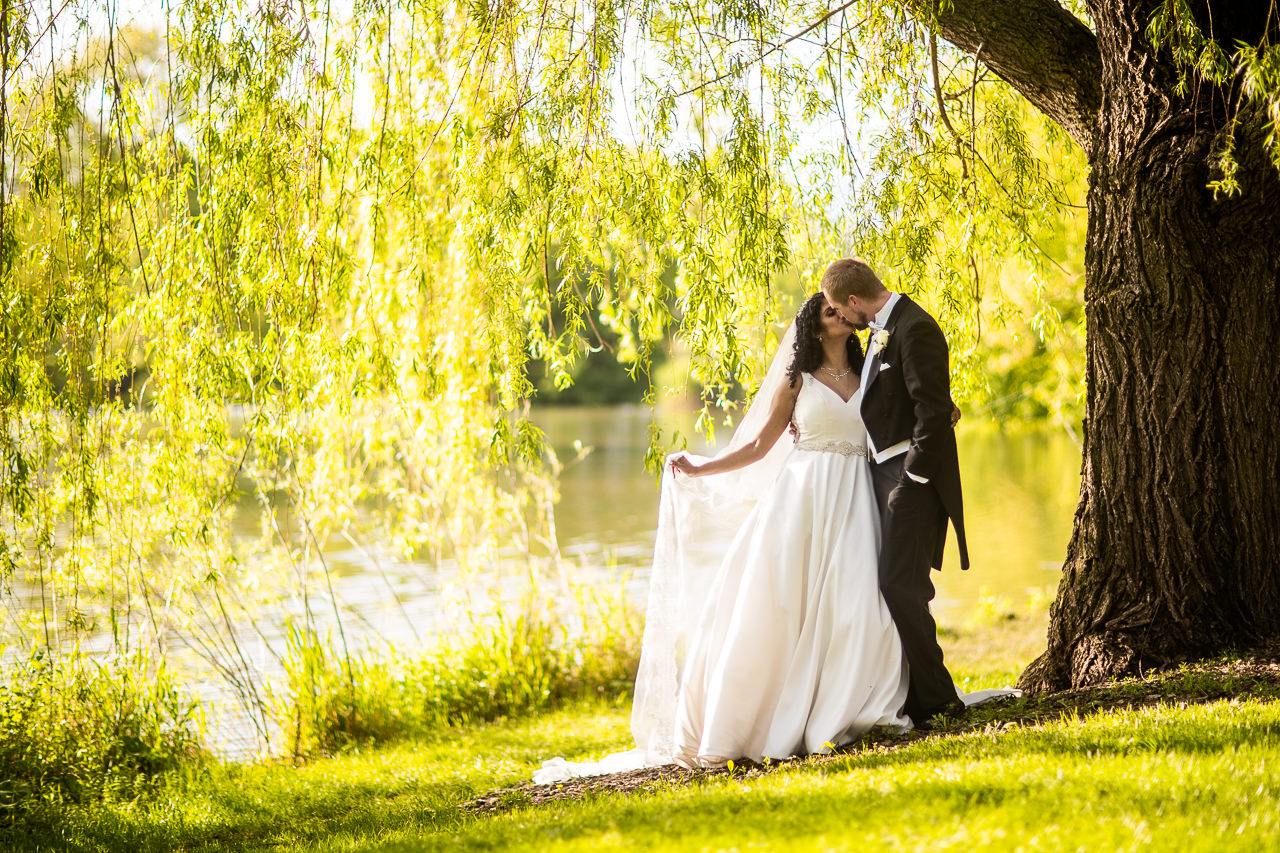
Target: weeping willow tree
(307, 253)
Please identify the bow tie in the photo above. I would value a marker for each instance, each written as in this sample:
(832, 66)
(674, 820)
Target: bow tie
(874, 326)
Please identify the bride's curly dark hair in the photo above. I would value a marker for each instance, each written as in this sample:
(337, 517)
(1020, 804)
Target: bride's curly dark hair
(808, 349)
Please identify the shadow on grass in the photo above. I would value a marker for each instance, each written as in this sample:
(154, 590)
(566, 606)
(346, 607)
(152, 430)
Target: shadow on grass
(1192, 684)
(965, 791)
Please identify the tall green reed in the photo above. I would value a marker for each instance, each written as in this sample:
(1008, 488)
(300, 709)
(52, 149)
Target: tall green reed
(74, 729)
(532, 658)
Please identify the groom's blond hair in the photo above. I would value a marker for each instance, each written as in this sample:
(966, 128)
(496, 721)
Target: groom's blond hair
(851, 277)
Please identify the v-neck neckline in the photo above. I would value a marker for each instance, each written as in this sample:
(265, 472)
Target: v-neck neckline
(834, 391)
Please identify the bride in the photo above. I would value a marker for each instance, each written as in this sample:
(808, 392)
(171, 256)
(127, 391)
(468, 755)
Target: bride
(765, 632)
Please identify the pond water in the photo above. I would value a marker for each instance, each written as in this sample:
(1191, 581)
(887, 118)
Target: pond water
(1020, 493)
(1020, 496)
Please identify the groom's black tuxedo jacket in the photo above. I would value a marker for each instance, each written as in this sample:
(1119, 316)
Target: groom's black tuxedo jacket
(908, 396)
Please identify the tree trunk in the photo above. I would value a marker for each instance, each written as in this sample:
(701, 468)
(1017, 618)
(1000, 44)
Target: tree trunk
(1176, 547)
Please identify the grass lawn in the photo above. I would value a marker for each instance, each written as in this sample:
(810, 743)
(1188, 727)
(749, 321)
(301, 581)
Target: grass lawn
(1182, 761)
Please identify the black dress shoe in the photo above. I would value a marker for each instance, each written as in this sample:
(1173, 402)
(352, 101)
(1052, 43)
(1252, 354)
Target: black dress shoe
(930, 721)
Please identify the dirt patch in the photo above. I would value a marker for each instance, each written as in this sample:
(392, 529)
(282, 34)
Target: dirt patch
(1256, 675)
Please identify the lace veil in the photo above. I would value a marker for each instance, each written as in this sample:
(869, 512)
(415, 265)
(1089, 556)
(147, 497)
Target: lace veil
(697, 519)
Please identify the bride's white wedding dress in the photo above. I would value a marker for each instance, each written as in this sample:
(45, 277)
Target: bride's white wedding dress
(765, 632)
(795, 651)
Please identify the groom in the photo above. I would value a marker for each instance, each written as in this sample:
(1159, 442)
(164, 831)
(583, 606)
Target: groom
(906, 405)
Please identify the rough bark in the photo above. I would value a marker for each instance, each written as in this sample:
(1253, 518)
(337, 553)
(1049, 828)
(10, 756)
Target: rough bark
(1177, 535)
(1176, 543)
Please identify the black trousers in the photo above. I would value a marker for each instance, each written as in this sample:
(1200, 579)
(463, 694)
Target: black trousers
(912, 521)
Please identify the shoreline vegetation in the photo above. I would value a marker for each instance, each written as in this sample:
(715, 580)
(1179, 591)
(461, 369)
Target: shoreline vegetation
(435, 753)
(77, 730)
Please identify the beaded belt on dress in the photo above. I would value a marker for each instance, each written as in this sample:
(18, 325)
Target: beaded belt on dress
(844, 448)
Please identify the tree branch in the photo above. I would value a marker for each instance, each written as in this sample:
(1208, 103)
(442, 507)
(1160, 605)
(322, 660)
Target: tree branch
(1036, 46)
(737, 69)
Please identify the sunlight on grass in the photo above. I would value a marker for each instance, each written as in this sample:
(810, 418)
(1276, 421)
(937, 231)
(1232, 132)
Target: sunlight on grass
(1200, 777)
(357, 796)
(1160, 779)
(1174, 776)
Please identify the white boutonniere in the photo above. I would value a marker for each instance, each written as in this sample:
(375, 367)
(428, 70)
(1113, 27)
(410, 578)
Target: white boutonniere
(879, 341)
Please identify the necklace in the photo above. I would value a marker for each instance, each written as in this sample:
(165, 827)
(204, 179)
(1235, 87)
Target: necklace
(836, 376)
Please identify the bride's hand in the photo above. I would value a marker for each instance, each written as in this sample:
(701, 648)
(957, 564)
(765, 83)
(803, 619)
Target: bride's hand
(684, 466)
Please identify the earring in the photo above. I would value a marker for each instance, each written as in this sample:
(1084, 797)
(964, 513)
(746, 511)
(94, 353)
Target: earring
(819, 338)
